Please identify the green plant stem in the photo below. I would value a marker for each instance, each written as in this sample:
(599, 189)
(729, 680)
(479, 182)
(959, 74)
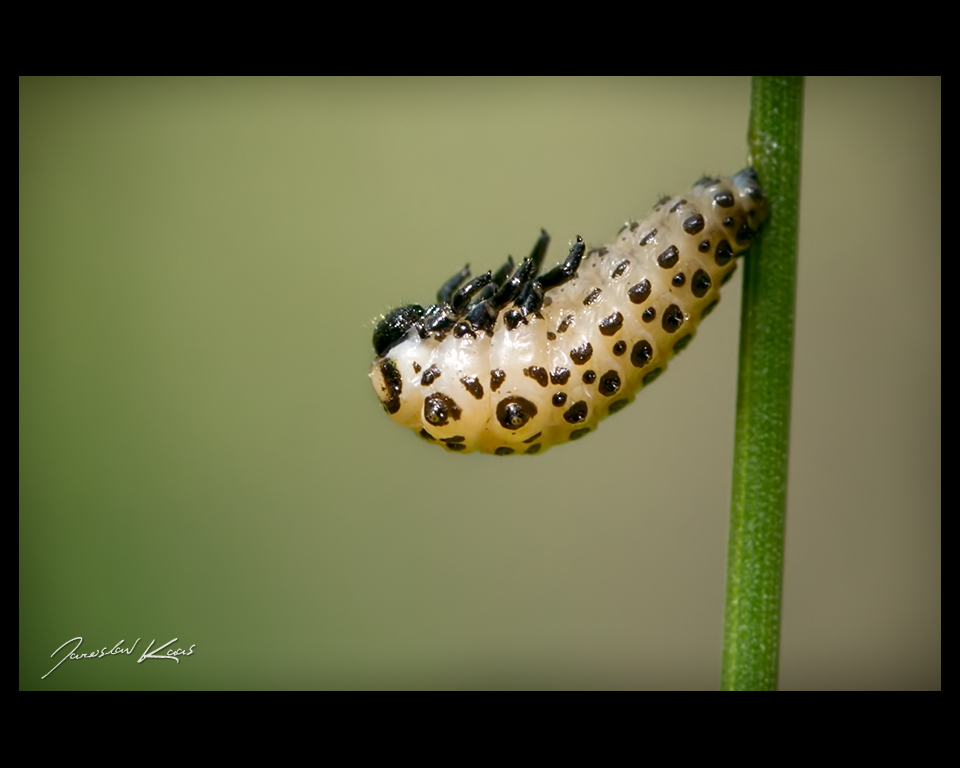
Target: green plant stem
(751, 637)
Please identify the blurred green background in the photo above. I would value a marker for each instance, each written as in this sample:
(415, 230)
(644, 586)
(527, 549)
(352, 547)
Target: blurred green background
(203, 457)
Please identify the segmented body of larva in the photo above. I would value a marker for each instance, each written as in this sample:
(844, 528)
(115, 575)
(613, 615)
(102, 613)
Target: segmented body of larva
(514, 362)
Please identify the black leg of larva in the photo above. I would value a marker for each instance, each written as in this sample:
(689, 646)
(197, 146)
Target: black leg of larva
(530, 285)
(564, 272)
(483, 315)
(531, 299)
(525, 272)
(436, 319)
(540, 249)
(487, 292)
(501, 275)
(462, 297)
(445, 294)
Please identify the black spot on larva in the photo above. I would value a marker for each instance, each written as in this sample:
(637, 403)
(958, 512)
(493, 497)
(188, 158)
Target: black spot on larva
(649, 378)
(576, 412)
(723, 280)
(649, 315)
(560, 376)
(538, 374)
(503, 451)
(578, 433)
(589, 377)
(704, 246)
(533, 439)
(416, 367)
(455, 446)
(620, 269)
(513, 412)
(706, 181)
(700, 283)
(678, 205)
(602, 251)
(672, 319)
(669, 257)
(429, 376)
(592, 297)
(454, 439)
(745, 233)
(473, 386)
(709, 308)
(682, 343)
(648, 237)
(661, 202)
(678, 280)
(565, 323)
(723, 199)
(559, 399)
(693, 225)
(533, 449)
(496, 379)
(438, 409)
(426, 435)
(609, 384)
(639, 292)
(728, 221)
(394, 383)
(634, 225)
(618, 406)
(641, 354)
(723, 253)
(547, 301)
(512, 318)
(551, 336)
(611, 324)
(620, 347)
(581, 354)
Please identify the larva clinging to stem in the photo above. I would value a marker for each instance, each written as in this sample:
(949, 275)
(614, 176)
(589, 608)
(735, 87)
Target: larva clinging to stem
(515, 361)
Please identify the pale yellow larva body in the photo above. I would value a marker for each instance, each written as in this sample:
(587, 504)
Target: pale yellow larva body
(597, 339)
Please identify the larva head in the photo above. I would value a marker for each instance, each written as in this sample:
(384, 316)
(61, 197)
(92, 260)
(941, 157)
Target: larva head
(394, 327)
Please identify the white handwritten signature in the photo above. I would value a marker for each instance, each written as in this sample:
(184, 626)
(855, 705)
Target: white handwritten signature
(172, 653)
